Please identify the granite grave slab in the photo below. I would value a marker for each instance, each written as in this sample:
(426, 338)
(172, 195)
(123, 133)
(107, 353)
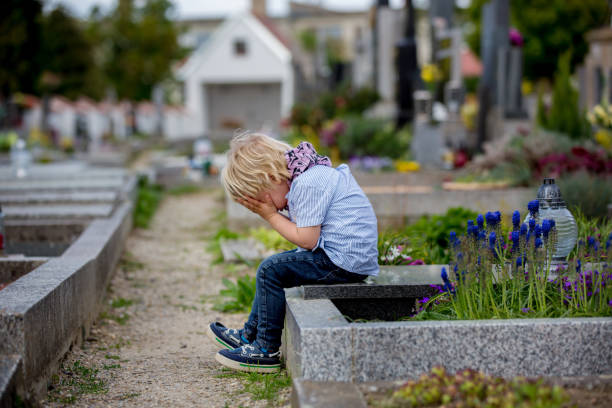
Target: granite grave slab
(358, 351)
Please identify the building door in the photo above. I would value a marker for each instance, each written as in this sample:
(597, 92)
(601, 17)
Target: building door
(242, 106)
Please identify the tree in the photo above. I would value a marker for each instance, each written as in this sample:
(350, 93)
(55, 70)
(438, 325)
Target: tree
(19, 44)
(549, 27)
(143, 45)
(67, 56)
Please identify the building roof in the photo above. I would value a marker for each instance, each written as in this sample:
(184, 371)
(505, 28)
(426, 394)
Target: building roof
(599, 35)
(470, 64)
(271, 26)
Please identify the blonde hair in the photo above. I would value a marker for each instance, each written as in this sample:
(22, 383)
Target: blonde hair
(254, 162)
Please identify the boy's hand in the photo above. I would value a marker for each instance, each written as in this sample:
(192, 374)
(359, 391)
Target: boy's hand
(265, 209)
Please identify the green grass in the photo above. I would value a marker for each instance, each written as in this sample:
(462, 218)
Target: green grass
(121, 302)
(261, 386)
(129, 264)
(184, 190)
(147, 200)
(120, 319)
(78, 379)
(112, 357)
(239, 295)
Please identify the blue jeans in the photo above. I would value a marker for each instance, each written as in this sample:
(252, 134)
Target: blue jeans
(286, 270)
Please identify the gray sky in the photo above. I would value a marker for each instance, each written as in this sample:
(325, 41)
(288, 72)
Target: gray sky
(198, 8)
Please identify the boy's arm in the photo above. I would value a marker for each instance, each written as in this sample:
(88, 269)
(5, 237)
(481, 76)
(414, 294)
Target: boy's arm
(306, 237)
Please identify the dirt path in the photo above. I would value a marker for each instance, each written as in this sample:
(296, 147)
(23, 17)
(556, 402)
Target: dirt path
(149, 346)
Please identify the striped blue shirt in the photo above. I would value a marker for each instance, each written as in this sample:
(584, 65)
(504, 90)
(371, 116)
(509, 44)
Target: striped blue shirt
(331, 197)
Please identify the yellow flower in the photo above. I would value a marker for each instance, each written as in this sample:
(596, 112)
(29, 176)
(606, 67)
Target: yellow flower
(604, 138)
(526, 87)
(430, 73)
(404, 166)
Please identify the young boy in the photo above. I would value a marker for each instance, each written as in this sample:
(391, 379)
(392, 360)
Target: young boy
(330, 220)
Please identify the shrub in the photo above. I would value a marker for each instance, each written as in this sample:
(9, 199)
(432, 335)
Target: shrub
(372, 137)
(470, 388)
(589, 193)
(564, 115)
(428, 236)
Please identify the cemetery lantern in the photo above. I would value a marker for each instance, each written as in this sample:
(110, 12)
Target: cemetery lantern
(552, 206)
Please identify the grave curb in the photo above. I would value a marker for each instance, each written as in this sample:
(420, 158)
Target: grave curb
(360, 352)
(44, 312)
(314, 394)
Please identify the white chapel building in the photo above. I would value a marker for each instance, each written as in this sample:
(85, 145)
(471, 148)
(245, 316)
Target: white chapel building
(241, 77)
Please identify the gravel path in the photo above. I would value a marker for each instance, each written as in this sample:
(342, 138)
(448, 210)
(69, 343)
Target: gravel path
(149, 347)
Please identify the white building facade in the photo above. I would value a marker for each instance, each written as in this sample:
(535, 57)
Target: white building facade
(242, 77)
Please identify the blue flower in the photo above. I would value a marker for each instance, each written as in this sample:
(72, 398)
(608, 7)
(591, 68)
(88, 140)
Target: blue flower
(538, 242)
(545, 228)
(538, 231)
(516, 219)
(470, 223)
(482, 235)
(552, 223)
(492, 238)
(491, 219)
(444, 275)
(515, 239)
(533, 207)
(498, 215)
(456, 270)
(578, 266)
(532, 224)
(608, 243)
(523, 229)
(519, 261)
(480, 221)
(592, 243)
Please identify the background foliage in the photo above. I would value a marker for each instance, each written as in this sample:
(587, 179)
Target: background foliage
(549, 27)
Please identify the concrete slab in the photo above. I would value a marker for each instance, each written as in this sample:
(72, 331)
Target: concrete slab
(80, 184)
(70, 197)
(312, 394)
(46, 310)
(242, 250)
(54, 211)
(14, 267)
(9, 372)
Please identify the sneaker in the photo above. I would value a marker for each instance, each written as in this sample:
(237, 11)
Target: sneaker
(250, 358)
(224, 337)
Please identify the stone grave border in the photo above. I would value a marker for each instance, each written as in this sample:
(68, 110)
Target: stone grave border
(321, 345)
(44, 312)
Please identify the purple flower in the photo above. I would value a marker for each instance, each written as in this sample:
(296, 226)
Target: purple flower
(480, 221)
(533, 207)
(515, 37)
(592, 243)
(610, 303)
(525, 309)
(516, 219)
(578, 266)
